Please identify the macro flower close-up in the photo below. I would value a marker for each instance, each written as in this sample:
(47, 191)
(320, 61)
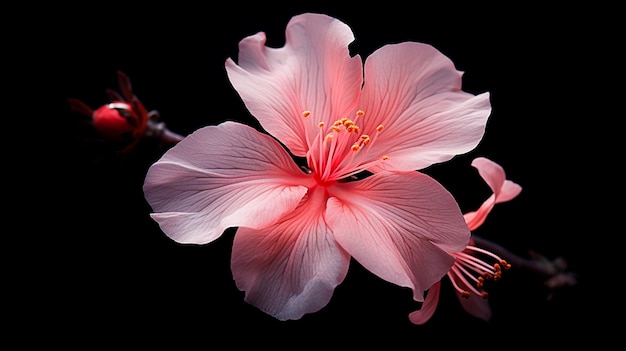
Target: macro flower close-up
(334, 175)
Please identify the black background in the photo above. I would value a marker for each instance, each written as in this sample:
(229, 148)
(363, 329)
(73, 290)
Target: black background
(100, 272)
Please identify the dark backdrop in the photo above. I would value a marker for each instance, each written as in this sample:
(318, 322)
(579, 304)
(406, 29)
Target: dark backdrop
(102, 273)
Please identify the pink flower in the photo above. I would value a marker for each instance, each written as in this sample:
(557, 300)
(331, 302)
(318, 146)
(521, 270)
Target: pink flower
(474, 265)
(298, 227)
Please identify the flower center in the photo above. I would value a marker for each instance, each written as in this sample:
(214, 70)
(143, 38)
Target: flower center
(473, 272)
(341, 150)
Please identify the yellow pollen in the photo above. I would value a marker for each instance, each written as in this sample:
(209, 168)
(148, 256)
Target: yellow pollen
(385, 158)
(348, 122)
(355, 147)
(336, 129)
(360, 113)
(328, 138)
(321, 124)
(306, 114)
(379, 128)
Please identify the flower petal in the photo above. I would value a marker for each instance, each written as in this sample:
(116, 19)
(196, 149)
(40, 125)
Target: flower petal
(414, 91)
(312, 72)
(400, 226)
(429, 306)
(495, 177)
(219, 177)
(293, 267)
(473, 304)
(503, 190)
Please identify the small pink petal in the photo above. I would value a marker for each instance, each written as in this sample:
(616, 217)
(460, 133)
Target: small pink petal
(503, 190)
(312, 72)
(293, 267)
(475, 305)
(429, 306)
(400, 226)
(414, 91)
(219, 177)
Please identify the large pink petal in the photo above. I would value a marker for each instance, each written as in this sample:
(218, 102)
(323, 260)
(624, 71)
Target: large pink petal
(312, 72)
(429, 306)
(503, 190)
(219, 177)
(414, 91)
(293, 267)
(400, 226)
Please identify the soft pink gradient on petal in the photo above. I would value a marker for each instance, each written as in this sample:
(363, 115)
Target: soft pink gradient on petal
(429, 306)
(503, 190)
(312, 72)
(219, 177)
(400, 226)
(293, 267)
(414, 91)
(475, 305)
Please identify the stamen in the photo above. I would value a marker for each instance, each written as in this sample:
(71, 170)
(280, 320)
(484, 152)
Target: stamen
(341, 150)
(470, 267)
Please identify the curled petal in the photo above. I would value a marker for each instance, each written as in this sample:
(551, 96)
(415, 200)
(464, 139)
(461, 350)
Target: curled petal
(503, 190)
(312, 72)
(219, 177)
(414, 91)
(429, 306)
(293, 267)
(400, 226)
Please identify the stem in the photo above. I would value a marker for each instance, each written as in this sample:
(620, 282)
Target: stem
(514, 259)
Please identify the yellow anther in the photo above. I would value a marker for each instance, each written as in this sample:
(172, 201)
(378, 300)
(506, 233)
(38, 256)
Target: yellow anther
(385, 157)
(365, 136)
(336, 129)
(355, 147)
(328, 137)
(321, 124)
(505, 264)
(485, 295)
(306, 114)
(360, 113)
(465, 294)
(379, 128)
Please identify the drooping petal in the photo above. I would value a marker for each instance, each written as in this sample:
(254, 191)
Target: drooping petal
(293, 267)
(312, 72)
(400, 226)
(429, 306)
(219, 177)
(414, 91)
(473, 304)
(503, 190)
